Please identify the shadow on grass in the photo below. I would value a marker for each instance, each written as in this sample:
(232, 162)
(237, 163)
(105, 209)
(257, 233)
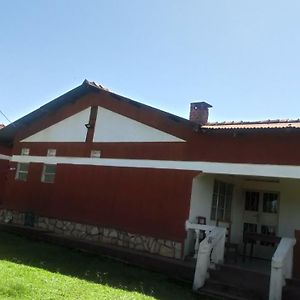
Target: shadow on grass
(92, 268)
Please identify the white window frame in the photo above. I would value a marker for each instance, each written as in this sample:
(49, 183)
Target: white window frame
(19, 172)
(51, 152)
(95, 153)
(25, 151)
(46, 174)
(216, 207)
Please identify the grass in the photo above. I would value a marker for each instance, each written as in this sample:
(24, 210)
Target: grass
(40, 271)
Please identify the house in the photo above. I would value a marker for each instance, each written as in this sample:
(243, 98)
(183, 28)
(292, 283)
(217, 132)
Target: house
(98, 166)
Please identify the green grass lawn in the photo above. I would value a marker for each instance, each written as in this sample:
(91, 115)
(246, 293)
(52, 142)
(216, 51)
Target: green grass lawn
(37, 270)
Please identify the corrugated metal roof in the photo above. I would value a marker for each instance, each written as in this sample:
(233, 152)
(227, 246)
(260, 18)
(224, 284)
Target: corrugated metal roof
(266, 124)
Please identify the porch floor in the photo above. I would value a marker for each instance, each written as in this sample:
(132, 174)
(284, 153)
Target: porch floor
(254, 264)
(251, 264)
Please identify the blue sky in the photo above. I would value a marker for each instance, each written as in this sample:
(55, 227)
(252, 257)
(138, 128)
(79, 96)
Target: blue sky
(243, 57)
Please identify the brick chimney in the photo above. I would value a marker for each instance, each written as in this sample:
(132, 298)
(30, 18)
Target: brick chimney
(199, 112)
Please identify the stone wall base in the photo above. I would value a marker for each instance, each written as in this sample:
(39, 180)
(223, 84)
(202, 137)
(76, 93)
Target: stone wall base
(166, 248)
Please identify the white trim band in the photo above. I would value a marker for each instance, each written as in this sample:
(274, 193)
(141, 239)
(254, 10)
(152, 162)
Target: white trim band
(280, 171)
(5, 157)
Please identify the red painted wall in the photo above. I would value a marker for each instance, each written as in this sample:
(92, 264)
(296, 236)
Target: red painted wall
(147, 201)
(5, 150)
(4, 169)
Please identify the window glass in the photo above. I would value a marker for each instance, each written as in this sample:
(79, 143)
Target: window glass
(270, 201)
(25, 151)
(250, 228)
(95, 153)
(22, 171)
(51, 152)
(221, 201)
(48, 174)
(252, 201)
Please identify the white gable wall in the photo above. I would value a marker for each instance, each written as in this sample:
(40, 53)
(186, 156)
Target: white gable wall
(71, 129)
(113, 127)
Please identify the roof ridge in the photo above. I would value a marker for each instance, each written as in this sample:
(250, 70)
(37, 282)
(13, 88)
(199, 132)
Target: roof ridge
(269, 121)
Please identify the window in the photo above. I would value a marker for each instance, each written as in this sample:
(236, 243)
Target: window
(22, 171)
(51, 152)
(95, 153)
(48, 174)
(252, 201)
(270, 201)
(25, 151)
(250, 228)
(221, 203)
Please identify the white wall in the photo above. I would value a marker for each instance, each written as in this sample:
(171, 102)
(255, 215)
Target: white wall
(289, 216)
(71, 129)
(201, 197)
(113, 127)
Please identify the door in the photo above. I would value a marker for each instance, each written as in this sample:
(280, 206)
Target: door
(261, 216)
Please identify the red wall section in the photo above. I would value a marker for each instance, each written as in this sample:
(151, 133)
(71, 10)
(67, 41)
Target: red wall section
(147, 201)
(5, 150)
(269, 148)
(4, 169)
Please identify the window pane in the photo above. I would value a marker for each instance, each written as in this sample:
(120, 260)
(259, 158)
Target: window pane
(213, 214)
(23, 167)
(222, 188)
(50, 169)
(48, 174)
(268, 230)
(270, 203)
(25, 151)
(49, 178)
(51, 152)
(252, 201)
(22, 171)
(22, 176)
(250, 228)
(215, 199)
(221, 201)
(220, 214)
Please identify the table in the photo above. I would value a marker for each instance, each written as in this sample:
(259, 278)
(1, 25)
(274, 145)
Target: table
(252, 238)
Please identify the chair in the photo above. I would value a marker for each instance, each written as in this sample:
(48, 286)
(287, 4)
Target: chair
(231, 249)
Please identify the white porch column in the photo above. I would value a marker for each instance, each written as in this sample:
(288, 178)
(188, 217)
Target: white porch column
(202, 264)
(197, 231)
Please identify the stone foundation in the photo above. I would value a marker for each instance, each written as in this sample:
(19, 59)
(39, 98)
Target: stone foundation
(101, 234)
